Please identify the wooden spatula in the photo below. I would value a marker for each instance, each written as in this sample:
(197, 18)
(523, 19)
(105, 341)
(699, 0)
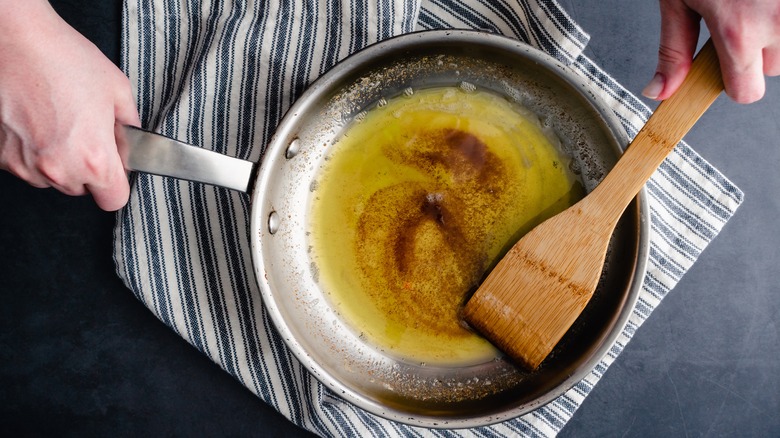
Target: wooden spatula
(534, 294)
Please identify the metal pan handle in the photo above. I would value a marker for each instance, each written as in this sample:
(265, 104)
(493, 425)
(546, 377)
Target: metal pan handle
(148, 152)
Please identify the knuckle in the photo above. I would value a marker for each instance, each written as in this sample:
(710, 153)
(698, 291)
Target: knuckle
(6, 163)
(23, 173)
(92, 164)
(18, 170)
(738, 39)
(11, 162)
(57, 175)
(97, 167)
(668, 55)
(51, 169)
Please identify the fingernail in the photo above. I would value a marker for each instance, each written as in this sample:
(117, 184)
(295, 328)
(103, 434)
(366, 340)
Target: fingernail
(655, 87)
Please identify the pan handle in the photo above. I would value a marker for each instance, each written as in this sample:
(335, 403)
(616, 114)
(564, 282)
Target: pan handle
(157, 154)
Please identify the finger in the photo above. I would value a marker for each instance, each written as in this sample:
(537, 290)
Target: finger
(105, 176)
(745, 84)
(771, 57)
(73, 189)
(38, 183)
(58, 173)
(125, 109)
(742, 68)
(679, 35)
(112, 191)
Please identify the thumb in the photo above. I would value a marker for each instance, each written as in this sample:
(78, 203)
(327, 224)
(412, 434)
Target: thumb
(679, 35)
(113, 193)
(125, 110)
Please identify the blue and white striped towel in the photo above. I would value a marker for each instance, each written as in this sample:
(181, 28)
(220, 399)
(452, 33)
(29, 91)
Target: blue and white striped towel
(220, 74)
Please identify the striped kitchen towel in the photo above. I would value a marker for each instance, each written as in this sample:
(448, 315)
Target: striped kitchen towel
(220, 75)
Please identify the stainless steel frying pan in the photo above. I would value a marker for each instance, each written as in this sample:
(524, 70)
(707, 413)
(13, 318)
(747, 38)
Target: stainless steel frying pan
(283, 185)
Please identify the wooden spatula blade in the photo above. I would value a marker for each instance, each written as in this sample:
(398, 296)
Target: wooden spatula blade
(526, 315)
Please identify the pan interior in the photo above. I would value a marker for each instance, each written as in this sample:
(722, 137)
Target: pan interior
(432, 395)
(416, 201)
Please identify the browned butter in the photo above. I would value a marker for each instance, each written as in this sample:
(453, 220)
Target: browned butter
(418, 198)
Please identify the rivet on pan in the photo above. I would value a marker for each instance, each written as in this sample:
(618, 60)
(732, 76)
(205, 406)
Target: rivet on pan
(273, 222)
(293, 148)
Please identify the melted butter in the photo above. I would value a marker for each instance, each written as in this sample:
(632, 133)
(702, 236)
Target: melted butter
(418, 199)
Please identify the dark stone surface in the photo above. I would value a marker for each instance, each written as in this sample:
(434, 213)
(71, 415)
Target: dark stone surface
(79, 355)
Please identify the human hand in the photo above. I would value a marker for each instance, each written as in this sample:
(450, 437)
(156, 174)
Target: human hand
(61, 100)
(746, 35)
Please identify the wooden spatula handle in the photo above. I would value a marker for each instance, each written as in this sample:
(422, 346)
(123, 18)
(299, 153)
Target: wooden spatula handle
(670, 122)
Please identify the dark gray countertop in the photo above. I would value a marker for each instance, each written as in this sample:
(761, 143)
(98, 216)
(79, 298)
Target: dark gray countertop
(79, 355)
